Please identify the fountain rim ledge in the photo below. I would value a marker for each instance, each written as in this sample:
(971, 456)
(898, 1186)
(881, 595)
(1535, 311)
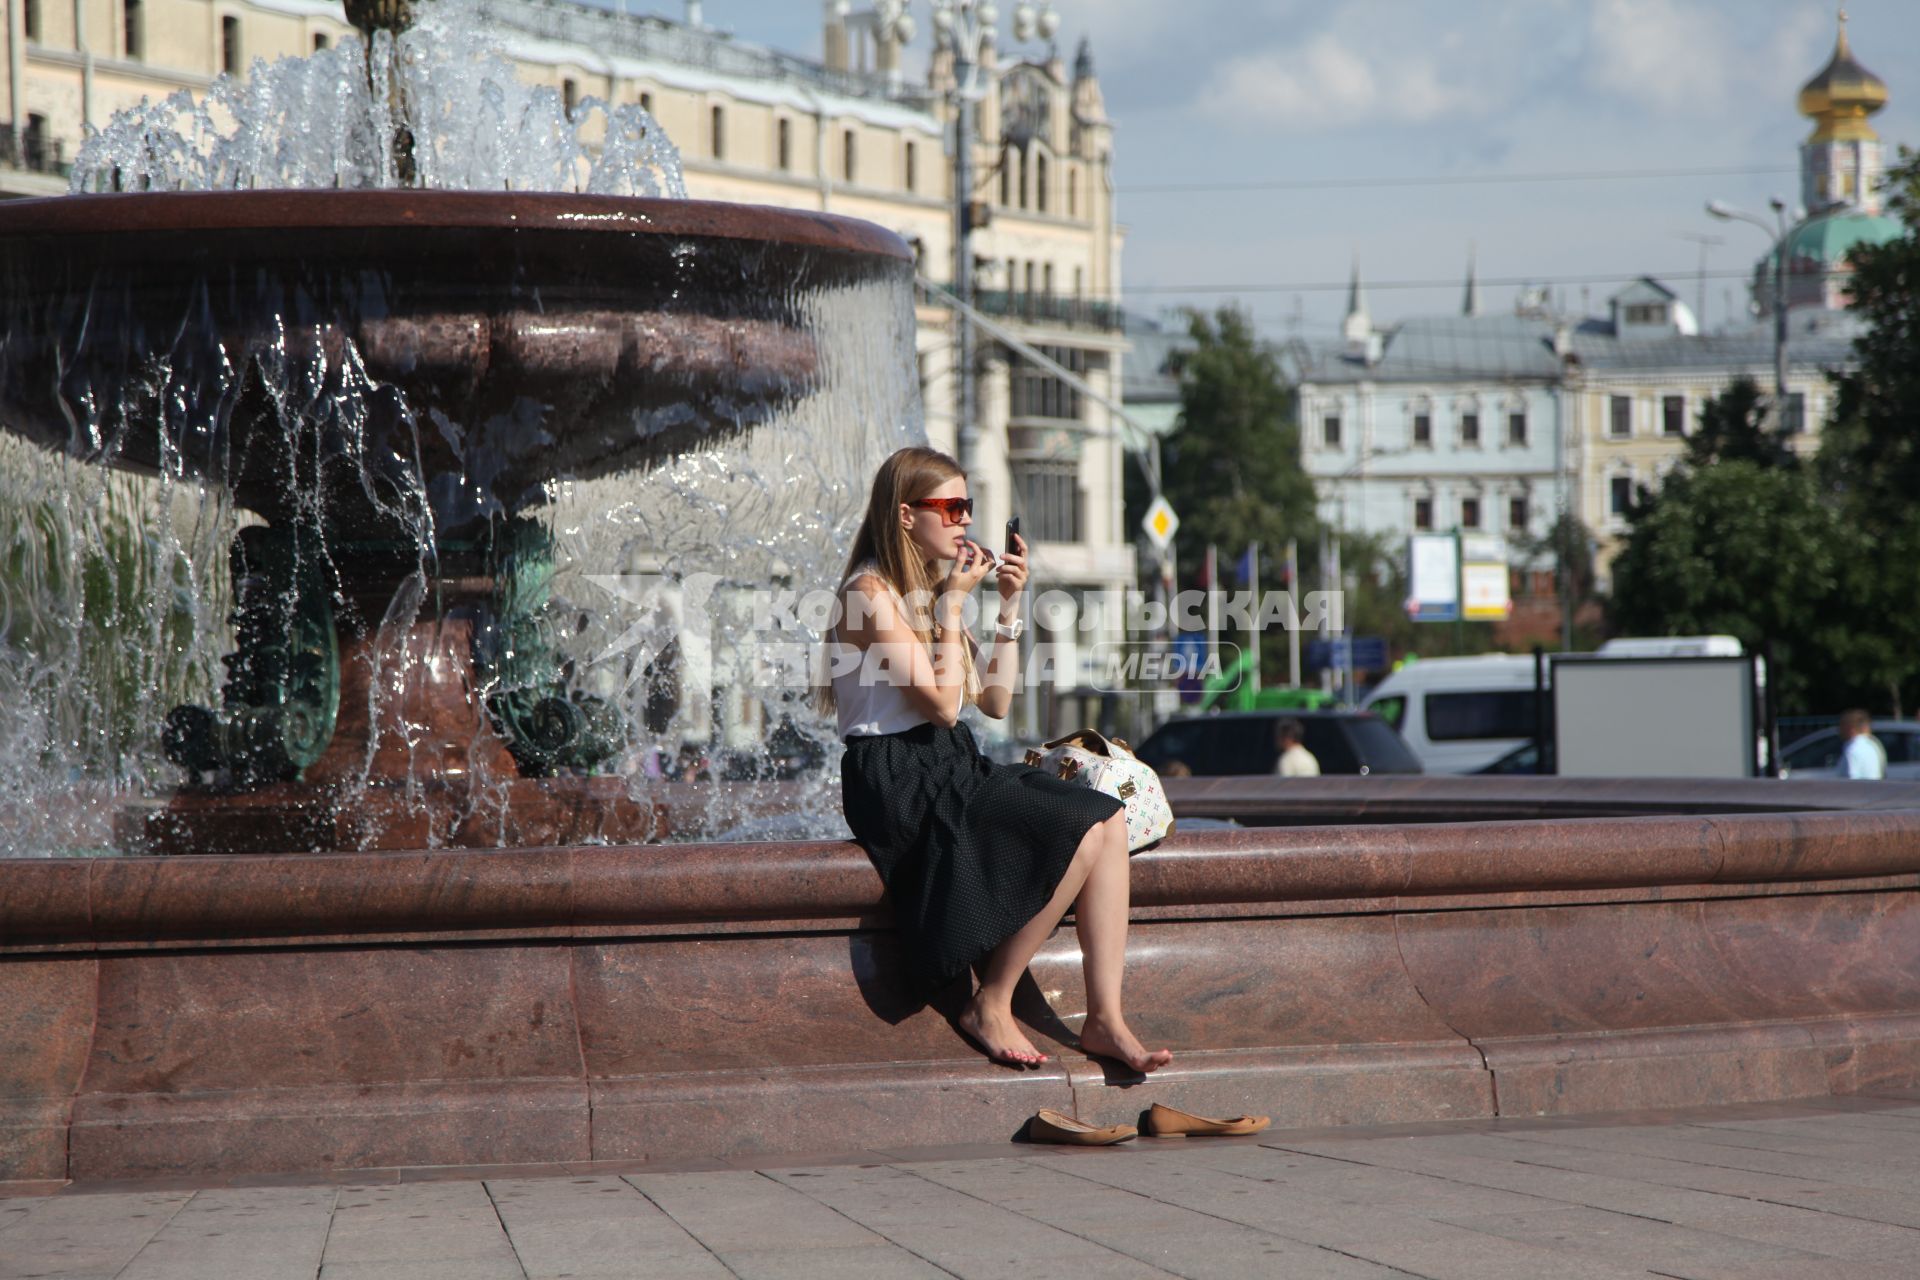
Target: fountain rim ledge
(292, 209)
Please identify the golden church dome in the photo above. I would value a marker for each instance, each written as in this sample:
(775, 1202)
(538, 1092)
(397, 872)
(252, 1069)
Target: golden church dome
(1842, 96)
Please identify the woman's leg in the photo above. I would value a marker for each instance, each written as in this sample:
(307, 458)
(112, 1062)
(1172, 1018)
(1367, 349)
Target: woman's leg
(1100, 915)
(988, 1017)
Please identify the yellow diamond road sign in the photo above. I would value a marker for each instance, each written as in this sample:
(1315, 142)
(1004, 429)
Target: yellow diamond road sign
(1161, 523)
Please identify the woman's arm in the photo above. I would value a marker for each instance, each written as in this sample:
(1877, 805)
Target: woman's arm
(934, 682)
(996, 690)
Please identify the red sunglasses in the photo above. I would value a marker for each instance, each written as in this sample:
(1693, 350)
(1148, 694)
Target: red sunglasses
(954, 509)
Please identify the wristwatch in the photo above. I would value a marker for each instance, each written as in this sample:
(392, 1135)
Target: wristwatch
(1010, 630)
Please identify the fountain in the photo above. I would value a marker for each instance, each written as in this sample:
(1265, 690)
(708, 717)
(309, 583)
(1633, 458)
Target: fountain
(375, 513)
(415, 407)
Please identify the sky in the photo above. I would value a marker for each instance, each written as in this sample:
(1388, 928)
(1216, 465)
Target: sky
(1262, 145)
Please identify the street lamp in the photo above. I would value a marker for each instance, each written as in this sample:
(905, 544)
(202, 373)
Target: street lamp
(967, 28)
(1777, 236)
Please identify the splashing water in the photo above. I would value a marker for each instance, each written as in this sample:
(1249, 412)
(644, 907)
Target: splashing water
(685, 422)
(314, 122)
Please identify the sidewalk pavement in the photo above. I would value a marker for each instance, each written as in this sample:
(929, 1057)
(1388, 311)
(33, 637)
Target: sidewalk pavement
(1805, 1190)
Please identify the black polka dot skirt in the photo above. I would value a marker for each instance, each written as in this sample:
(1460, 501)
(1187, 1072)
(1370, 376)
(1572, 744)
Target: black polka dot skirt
(969, 850)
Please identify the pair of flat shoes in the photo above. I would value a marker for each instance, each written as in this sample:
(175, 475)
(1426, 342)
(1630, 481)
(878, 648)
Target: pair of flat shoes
(1162, 1122)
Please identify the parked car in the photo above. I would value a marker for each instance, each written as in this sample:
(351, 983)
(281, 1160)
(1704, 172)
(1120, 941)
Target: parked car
(1244, 743)
(1523, 759)
(1817, 755)
(1459, 715)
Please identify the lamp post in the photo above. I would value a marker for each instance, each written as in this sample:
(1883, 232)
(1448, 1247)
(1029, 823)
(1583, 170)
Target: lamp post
(967, 29)
(1777, 236)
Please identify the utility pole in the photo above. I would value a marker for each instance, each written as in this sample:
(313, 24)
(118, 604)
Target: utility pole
(1705, 242)
(1777, 236)
(966, 28)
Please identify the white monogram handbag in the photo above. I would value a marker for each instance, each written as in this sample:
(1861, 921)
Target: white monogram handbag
(1109, 766)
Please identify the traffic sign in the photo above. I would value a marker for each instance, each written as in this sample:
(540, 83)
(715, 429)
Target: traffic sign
(1161, 524)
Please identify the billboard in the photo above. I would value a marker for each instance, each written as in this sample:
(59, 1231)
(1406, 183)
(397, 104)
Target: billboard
(1433, 574)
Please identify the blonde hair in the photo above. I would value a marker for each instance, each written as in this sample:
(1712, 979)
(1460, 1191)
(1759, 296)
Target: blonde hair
(907, 476)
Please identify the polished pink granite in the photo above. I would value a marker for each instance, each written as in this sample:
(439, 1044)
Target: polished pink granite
(167, 1016)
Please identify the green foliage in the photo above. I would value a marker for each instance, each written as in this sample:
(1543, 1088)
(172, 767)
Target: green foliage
(1869, 463)
(1737, 548)
(1232, 466)
(1734, 427)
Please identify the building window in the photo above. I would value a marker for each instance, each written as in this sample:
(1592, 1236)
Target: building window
(1620, 498)
(1423, 430)
(230, 45)
(1423, 513)
(321, 40)
(1037, 392)
(569, 94)
(1073, 193)
(1051, 503)
(1673, 415)
(30, 18)
(783, 144)
(1470, 428)
(133, 28)
(1469, 513)
(1795, 419)
(646, 103)
(1006, 178)
(1647, 313)
(1030, 279)
(1517, 428)
(1079, 282)
(849, 156)
(1330, 431)
(1040, 183)
(718, 132)
(1621, 422)
(913, 167)
(1023, 178)
(1517, 513)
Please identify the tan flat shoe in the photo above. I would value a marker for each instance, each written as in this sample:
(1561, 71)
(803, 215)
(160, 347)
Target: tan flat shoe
(1165, 1122)
(1049, 1125)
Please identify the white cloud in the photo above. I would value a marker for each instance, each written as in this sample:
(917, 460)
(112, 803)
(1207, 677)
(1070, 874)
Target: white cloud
(1692, 56)
(1325, 83)
(1666, 54)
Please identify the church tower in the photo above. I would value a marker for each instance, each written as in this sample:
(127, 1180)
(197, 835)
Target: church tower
(1841, 162)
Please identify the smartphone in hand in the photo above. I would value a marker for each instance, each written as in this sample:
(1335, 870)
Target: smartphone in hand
(1013, 530)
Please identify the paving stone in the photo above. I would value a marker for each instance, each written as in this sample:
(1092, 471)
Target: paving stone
(85, 1235)
(748, 1211)
(1185, 1241)
(425, 1269)
(1623, 1238)
(283, 1253)
(868, 1262)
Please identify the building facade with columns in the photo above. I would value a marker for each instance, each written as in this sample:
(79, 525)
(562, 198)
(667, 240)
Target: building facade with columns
(845, 133)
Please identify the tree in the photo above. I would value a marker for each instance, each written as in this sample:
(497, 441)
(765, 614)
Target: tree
(1231, 467)
(1742, 549)
(1734, 428)
(1869, 460)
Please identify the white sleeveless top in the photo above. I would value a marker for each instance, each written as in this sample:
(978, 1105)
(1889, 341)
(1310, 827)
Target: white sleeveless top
(871, 694)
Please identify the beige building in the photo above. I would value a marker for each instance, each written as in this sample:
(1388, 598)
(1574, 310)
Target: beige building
(845, 134)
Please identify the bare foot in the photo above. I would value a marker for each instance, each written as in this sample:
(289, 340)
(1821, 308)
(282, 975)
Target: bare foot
(997, 1033)
(1114, 1040)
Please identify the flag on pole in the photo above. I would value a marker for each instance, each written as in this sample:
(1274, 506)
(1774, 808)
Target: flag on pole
(1208, 567)
(1249, 567)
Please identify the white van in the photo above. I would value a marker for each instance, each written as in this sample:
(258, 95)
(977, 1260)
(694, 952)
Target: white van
(1459, 715)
